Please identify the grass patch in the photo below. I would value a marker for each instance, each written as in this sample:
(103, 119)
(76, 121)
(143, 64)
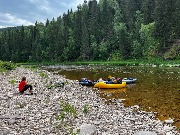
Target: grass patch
(86, 109)
(12, 82)
(132, 62)
(129, 62)
(65, 118)
(44, 75)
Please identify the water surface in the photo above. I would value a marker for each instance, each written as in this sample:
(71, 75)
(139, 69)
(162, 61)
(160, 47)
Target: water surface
(157, 88)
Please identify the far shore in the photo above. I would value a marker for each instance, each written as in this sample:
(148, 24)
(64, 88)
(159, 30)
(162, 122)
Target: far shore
(133, 62)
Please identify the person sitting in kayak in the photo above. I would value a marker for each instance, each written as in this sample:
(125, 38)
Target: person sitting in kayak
(119, 80)
(114, 81)
(111, 80)
(23, 86)
(100, 80)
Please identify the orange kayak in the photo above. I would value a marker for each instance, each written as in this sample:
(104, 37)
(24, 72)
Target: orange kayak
(103, 85)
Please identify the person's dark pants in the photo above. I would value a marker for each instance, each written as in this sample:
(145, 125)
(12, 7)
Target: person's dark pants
(26, 87)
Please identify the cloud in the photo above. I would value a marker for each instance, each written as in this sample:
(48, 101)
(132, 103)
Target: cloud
(27, 12)
(42, 5)
(11, 20)
(47, 9)
(72, 4)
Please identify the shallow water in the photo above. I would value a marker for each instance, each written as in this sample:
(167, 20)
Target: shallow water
(157, 88)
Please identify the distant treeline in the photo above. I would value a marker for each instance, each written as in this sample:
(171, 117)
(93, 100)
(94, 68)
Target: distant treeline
(108, 30)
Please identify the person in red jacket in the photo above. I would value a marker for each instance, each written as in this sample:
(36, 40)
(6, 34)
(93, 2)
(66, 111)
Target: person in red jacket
(23, 86)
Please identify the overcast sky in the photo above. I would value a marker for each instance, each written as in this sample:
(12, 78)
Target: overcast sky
(27, 12)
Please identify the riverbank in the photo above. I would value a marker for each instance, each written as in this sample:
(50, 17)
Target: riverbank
(132, 62)
(71, 109)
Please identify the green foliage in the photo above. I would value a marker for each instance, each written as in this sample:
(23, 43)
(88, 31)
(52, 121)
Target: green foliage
(103, 53)
(131, 62)
(61, 116)
(69, 109)
(173, 53)
(148, 10)
(137, 49)
(148, 40)
(12, 81)
(110, 29)
(115, 56)
(166, 22)
(86, 109)
(118, 27)
(7, 65)
(122, 44)
(66, 116)
(44, 75)
(138, 22)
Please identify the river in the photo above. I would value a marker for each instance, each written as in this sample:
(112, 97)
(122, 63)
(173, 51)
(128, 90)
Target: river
(157, 88)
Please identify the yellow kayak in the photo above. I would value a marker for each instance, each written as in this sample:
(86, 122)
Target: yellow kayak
(103, 85)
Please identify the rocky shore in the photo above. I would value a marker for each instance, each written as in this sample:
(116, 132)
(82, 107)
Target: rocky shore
(71, 109)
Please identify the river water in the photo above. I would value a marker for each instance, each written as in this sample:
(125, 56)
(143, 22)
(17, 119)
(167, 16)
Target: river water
(156, 90)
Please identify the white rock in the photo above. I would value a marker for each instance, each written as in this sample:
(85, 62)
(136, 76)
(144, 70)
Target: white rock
(167, 128)
(87, 129)
(169, 121)
(145, 133)
(11, 121)
(26, 132)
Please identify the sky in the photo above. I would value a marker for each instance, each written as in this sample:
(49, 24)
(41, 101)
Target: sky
(27, 12)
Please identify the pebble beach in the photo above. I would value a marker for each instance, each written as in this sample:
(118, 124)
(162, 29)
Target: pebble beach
(69, 109)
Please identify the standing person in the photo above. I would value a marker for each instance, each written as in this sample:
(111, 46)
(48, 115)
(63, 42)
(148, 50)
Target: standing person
(23, 86)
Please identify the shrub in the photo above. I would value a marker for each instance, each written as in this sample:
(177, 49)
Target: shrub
(173, 53)
(7, 65)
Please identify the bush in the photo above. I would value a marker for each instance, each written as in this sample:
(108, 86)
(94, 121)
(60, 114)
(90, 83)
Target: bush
(173, 53)
(7, 65)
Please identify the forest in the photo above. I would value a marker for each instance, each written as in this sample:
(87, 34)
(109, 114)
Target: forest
(108, 30)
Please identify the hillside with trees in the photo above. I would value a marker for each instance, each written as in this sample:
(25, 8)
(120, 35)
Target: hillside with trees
(108, 30)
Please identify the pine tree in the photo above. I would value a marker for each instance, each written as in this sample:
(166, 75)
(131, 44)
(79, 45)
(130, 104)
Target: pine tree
(164, 22)
(78, 31)
(84, 52)
(93, 26)
(148, 11)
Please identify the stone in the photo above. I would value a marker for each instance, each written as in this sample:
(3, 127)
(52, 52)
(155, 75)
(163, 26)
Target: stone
(26, 132)
(11, 121)
(4, 132)
(169, 121)
(9, 95)
(87, 129)
(168, 128)
(145, 133)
